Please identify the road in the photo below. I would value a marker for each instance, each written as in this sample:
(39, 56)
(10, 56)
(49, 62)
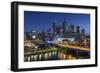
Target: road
(75, 47)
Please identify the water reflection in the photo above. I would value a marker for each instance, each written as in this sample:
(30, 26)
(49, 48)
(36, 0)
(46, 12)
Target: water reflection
(57, 55)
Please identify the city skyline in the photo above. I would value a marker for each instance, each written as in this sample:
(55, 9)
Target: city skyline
(43, 20)
(56, 36)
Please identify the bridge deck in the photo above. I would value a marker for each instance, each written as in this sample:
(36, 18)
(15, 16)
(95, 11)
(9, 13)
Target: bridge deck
(75, 47)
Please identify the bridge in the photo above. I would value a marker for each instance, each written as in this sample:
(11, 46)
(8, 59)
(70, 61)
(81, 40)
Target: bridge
(75, 47)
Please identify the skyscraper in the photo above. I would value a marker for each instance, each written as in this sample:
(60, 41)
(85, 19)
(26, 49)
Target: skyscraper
(78, 29)
(83, 32)
(33, 34)
(64, 28)
(72, 28)
(53, 29)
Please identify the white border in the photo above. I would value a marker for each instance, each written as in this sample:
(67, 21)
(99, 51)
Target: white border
(22, 64)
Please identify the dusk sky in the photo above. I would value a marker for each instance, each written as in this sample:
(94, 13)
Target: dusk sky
(43, 20)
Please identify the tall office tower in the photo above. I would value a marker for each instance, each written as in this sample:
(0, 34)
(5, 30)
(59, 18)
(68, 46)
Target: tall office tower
(78, 37)
(58, 30)
(78, 29)
(67, 30)
(72, 28)
(42, 35)
(33, 34)
(53, 28)
(64, 28)
(83, 33)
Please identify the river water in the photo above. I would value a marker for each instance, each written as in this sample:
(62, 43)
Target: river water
(58, 55)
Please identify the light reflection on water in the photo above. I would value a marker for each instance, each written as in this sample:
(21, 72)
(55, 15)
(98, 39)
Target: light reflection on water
(55, 55)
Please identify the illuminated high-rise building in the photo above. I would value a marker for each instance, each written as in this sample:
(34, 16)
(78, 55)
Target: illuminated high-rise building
(33, 34)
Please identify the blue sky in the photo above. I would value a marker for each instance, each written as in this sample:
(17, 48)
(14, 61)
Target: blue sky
(43, 20)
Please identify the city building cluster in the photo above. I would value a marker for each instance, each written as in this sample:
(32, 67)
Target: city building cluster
(60, 34)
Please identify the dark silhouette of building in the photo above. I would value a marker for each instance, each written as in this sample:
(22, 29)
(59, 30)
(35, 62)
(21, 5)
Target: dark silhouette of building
(72, 28)
(82, 33)
(53, 29)
(78, 29)
(64, 28)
